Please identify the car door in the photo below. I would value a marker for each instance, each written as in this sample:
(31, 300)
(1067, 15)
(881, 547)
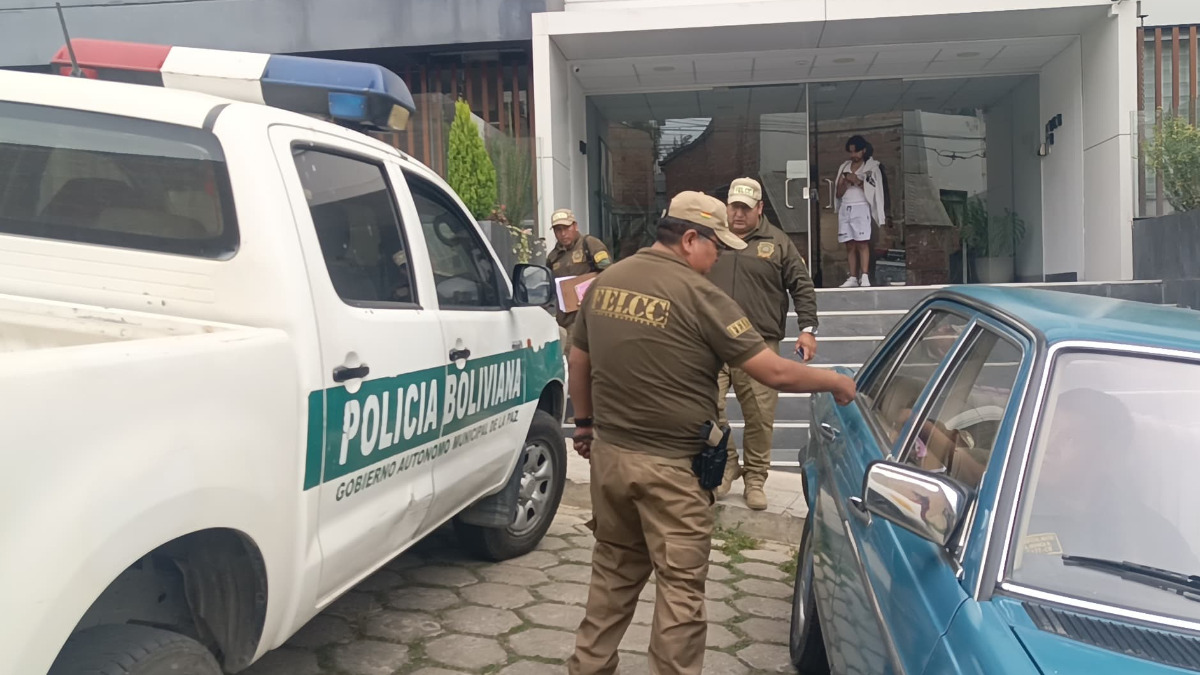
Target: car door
(378, 411)
(483, 413)
(955, 430)
(891, 386)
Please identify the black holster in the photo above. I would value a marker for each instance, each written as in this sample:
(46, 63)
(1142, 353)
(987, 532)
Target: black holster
(709, 464)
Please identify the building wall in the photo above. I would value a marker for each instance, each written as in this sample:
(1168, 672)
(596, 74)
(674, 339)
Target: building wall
(1109, 99)
(31, 36)
(561, 168)
(1062, 169)
(1027, 170)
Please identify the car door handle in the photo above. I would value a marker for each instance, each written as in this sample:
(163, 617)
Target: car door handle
(342, 373)
(859, 510)
(460, 354)
(828, 432)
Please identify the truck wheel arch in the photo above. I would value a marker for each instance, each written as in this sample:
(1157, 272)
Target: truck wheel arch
(210, 585)
(553, 400)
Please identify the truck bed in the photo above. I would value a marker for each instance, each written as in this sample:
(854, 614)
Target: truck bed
(29, 324)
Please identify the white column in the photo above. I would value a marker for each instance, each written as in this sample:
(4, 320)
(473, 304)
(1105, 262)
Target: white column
(1109, 99)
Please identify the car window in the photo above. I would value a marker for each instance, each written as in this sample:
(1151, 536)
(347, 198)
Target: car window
(1112, 476)
(354, 214)
(464, 271)
(101, 179)
(898, 392)
(958, 434)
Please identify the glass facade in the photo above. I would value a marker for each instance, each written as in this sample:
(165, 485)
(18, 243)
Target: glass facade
(962, 182)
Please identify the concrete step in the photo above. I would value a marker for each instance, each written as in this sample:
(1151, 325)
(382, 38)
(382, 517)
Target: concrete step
(837, 349)
(850, 323)
(875, 298)
(791, 407)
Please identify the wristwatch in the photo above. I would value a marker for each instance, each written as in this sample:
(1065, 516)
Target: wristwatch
(583, 422)
(809, 329)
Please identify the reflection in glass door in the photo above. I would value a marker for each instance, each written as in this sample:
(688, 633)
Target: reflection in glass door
(962, 190)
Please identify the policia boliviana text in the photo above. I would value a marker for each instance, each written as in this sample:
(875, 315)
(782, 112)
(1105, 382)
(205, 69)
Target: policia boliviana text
(650, 337)
(760, 278)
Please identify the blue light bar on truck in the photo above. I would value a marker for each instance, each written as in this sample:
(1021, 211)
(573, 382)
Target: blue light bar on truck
(351, 93)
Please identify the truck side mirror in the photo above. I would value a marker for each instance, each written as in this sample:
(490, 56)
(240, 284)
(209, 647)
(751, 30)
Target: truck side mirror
(533, 286)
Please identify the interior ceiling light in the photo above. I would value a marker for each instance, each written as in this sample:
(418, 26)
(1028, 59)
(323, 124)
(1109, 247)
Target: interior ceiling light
(664, 69)
(844, 59)
(967, 55)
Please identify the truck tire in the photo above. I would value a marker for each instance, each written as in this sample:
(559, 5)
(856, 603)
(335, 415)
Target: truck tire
(126, 649)
(544, 462)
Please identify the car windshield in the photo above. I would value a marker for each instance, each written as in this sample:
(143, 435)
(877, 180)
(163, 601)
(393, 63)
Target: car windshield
(1113, 477)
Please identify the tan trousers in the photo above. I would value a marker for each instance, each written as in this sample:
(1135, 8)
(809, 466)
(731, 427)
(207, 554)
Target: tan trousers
(649, 513)
(758, 402)
(564, 334)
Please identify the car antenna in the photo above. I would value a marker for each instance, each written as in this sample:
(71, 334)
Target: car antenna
(75, 71)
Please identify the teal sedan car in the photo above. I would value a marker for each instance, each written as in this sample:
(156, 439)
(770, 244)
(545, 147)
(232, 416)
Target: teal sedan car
(1014, 491)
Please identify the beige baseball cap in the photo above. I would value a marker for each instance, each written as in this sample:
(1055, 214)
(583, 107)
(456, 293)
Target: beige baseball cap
(701, 209)
(745, 190)
(562, 217)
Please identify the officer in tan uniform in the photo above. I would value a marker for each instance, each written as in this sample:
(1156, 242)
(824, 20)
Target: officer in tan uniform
(651, 336)
(760, 278)
(574, 254)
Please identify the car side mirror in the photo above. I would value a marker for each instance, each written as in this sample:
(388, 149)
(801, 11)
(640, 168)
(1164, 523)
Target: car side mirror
(533, 286)
(929, 505)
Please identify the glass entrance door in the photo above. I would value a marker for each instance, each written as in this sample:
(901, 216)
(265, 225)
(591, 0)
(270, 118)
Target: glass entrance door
(868, 110)
(961, 182)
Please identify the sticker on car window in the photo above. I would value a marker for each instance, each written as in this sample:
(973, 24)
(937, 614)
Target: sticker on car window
(1043, 544)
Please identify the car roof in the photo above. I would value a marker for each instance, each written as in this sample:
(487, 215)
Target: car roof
(1058, 316)
(147, 102)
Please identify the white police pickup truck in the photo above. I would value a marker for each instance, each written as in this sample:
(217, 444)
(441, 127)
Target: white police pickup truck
(247, 357)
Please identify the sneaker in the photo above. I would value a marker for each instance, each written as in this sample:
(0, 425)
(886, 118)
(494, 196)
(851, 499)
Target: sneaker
(850, 283)
(865, 281)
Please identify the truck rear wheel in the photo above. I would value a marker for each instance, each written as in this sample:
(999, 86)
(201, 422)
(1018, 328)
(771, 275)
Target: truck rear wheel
(543, 476)
(127, 649)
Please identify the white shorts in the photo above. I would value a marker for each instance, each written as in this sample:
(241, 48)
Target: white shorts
(854, 222)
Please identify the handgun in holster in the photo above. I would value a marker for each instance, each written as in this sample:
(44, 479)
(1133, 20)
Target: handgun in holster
(709, 464)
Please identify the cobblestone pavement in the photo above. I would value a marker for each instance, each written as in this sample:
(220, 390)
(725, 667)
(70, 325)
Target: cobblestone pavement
(433, 611)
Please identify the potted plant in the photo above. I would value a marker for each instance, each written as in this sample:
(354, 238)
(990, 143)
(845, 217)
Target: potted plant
(991, 240)
(514, 171)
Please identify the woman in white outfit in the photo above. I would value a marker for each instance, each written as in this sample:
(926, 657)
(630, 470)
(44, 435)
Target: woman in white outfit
(860, 199)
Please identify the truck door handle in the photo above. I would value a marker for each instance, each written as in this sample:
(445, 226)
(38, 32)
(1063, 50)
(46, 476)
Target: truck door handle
(460, 354)
(342, 373)
(829, 433)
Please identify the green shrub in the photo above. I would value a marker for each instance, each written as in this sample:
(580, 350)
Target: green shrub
(470, 171)
(1174, 153)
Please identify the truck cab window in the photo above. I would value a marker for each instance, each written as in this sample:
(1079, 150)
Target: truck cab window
(106, 180)
(357, 225)
(464, 270)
